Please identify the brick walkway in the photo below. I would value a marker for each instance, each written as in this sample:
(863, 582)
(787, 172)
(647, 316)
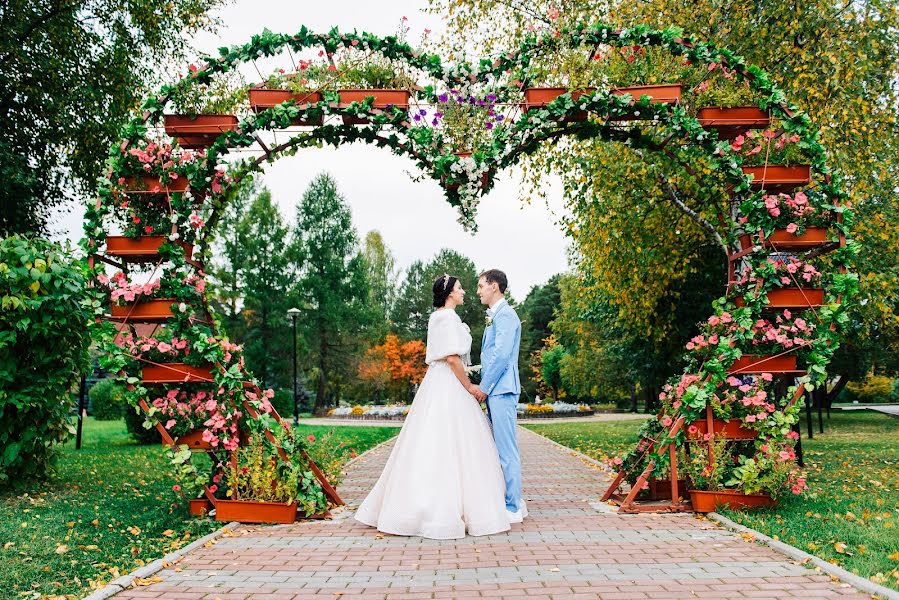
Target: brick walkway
(566, 549)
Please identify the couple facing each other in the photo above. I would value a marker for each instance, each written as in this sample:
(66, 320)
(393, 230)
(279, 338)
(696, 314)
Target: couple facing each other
(448, 473)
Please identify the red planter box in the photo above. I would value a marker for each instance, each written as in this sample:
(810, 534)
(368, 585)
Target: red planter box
(247, 511)
(200, 506)
(194, 440)
(176, 373)
(158, 310)
(198, 131)
(382, 100)
(792, 298)
(729, 430)
(148, 184)
(262, 99)
(753, 363)
(781, 239)
(779, 178)
(540, 97)
(731, 122)
(704, 502)
(661, 94)
(144, 249)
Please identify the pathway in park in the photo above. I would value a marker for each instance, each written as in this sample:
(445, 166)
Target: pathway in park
(566, 549)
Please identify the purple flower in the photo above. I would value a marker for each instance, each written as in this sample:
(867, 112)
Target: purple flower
(438, 114)
(443, 98)
(491, 97)
(481, 103)
(434, 122)
(422, 112)
(500, 117)
(416, 118)
(489, 125)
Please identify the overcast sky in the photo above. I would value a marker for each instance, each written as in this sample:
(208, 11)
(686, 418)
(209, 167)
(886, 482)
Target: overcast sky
(414, 218)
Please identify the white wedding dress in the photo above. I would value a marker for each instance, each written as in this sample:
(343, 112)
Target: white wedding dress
(443, 476)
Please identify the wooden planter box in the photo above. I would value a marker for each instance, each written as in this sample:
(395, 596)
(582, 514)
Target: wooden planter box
(144, 249)
(749, 364)
(176, 373)
(781, 239)
(779, 178)
(158, 310)
(248, 511)
(660, 489)
(729, 430)
(149, 184)
(262, 99)
(194, 440)
(791, 297)
(704, 501)
(661, 94)
(733, 121)
(540, 97)
(383, 99)
(198, 131)
(199, 506)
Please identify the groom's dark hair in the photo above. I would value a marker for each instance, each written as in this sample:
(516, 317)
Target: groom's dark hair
(496, 276)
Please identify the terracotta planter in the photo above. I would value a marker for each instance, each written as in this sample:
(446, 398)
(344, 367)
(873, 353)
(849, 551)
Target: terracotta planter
(660, 489)
(383, 99)
(733, 121)
(753, 363)
(262, 99)
(144, 249)
(148, 184)
(660, 94)
(729, 430)
(198, 131)
(540, 97)
(778, 178)
(704, 501)
(194, 440)
(176, 373)
(781, 239)
(158, 310)
(200, 506)
(791, 297)
(247, 511)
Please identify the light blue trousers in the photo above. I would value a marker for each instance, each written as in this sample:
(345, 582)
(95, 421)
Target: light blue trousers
(503, 418)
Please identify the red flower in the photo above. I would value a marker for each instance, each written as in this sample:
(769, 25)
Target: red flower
(176, 488)
(310, 437)
(213, 488)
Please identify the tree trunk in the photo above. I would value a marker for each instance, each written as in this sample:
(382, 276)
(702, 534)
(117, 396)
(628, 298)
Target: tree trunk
(555, 394)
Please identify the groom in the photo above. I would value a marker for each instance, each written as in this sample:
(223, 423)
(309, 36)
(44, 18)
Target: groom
(500, 384)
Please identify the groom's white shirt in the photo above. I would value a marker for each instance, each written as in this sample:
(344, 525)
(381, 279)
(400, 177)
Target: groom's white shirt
(492, 310)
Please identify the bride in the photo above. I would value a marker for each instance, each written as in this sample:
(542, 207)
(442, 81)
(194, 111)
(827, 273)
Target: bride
(443, 476)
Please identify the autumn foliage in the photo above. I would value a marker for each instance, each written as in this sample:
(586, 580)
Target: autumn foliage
(394, 366)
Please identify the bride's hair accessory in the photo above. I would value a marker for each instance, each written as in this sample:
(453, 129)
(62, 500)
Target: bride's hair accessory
(446, 279)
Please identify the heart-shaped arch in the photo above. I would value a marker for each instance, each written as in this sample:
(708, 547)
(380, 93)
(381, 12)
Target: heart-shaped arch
(189, 187)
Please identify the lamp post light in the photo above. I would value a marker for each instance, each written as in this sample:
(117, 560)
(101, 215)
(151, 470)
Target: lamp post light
(293, 313)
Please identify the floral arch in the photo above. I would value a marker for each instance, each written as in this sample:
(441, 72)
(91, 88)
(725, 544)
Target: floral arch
(769, 339)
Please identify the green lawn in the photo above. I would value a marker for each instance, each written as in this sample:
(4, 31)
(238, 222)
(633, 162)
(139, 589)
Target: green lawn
(109, 510)
(851, 514)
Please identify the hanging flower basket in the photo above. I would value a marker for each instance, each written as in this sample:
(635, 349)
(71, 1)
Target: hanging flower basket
(176, 373)
(660, 94)
(781, 239)
(733, 121)
(198, 131)
(708, 501)
(755, 363)
(791, 297)
(148, 184)
(157, 310)
(778, 177)
(729, 430)
(485, 178)
(383, 99)
(262, 99)
(200, 507)
(540, 97)
(143, 249)
(248, 511)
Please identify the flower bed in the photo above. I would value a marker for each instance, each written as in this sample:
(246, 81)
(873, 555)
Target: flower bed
(552, 410)
(398, 412)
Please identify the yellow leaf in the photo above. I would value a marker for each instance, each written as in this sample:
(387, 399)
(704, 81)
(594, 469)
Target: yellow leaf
(62, 549)
(168, 533)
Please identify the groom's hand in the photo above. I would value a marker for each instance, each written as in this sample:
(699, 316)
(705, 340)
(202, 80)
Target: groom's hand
(476, 391)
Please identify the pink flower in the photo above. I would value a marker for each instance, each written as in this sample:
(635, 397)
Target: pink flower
(714, 320)
(170, 423)
(310, 438)
(792, 227)
(176, 488)
(767, 376)
(617, 461)
(666, 421)
(213, 488)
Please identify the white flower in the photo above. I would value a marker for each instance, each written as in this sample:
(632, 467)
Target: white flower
(174, 237)
(182, 307)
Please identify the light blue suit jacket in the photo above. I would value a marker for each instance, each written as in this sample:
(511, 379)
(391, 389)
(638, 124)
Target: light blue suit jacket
(499, 353)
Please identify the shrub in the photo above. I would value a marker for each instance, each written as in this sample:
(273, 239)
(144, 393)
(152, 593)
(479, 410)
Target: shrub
(44, 342)
(873, 389)
(107, 400)
(283, 403)
(134, 421)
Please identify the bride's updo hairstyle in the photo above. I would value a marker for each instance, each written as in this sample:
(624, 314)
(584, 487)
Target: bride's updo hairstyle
(443, 287)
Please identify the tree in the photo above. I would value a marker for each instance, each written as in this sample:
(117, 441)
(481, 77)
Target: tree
(551, 366)
(332, 288)
(382, 277)
(394, 366)
(226, 289)
(414, 303)
(536, 313)
(71, 73)
(263, 237)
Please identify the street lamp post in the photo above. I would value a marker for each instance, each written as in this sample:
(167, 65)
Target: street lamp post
(293, 313)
